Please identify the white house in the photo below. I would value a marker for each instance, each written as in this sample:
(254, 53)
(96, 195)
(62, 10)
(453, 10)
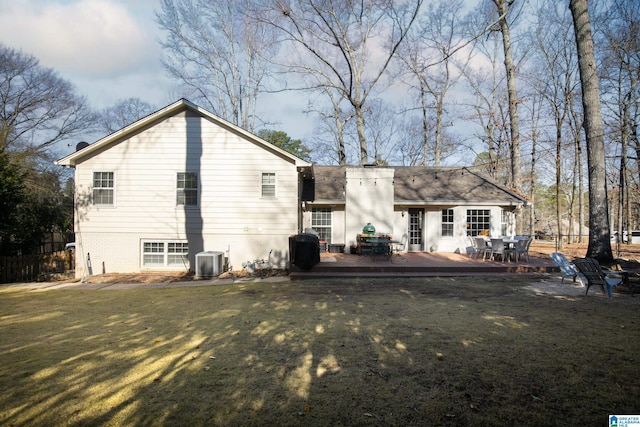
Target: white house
(436, 208)
(182, 181)
(178, 182)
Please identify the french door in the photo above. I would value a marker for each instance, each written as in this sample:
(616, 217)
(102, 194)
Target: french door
(416, 217)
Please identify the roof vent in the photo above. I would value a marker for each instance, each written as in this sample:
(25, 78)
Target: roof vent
(80, 145)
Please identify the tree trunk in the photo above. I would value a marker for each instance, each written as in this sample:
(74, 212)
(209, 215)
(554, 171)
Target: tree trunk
(425, 126)
(559, 121)
(599, 240)
(513, 96)
(362, 139)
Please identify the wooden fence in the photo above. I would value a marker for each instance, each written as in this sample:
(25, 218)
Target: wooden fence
(32, 268)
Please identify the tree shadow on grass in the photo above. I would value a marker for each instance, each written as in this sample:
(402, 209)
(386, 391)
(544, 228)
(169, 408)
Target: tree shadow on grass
(424, 352)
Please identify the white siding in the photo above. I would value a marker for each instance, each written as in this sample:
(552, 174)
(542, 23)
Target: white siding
(369, 198)
(231, 212)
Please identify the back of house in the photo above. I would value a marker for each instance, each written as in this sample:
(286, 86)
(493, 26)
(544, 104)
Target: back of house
(177, 183)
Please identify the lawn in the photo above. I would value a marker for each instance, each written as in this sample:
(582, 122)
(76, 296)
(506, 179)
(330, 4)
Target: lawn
(429, 352)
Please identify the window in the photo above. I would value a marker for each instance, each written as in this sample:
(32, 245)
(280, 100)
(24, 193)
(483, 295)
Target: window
(478, 222)
(321, 222)
(103, 188)
(447, 222)
(504, 226)
(177, 254)
(153, 254)
(268, 184)
(162, 254)
(187, 189)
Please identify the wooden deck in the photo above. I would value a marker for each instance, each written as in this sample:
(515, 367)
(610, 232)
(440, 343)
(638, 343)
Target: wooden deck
(416, 264)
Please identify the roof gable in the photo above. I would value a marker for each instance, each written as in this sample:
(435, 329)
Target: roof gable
(181, 106)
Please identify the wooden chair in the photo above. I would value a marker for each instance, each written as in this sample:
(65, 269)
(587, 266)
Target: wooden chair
(566, 267)
(590, 269)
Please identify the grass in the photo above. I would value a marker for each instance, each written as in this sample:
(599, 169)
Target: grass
(433, 351)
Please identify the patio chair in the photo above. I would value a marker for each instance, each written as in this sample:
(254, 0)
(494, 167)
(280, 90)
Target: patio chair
(398, 248)
(522, 248)
(590, 269)
(481, 247)
(474, 247)
(498, 248)
(566, 267)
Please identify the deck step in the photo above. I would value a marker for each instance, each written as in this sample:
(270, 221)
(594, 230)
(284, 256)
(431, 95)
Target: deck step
(414, 271)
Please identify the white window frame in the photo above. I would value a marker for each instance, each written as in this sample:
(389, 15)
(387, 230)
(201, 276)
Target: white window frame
(475, 214)
(325, 229)
(95, 188)
(451, 224)
(185, 191)
(171, 254)
(264, 185)
(504, 223)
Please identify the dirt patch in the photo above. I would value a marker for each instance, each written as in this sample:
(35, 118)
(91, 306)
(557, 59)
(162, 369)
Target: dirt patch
(432, 351)
(149, 278)
(141, 278)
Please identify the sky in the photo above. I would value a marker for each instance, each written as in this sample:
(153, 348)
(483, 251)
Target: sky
(109, 50)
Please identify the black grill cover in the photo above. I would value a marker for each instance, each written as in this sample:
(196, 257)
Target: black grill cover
(304, 250)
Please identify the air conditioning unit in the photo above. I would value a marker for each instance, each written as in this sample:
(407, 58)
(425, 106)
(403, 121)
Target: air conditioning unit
(209, 264)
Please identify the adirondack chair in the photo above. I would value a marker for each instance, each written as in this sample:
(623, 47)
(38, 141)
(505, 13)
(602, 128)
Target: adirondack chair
(566, 267)
(593, 274)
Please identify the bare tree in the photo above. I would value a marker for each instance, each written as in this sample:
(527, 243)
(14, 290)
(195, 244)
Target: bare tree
(346, 45)
(621, 94)
(535, 112)
(575, 124)
(39, 111)
(553, 74)
(503, 7)
(488, 99)
(333, 121)
(599, 241)
(219, 53)
(410, 150)
(382, 131)
(38, 108)
(428, 59)
(123, 113)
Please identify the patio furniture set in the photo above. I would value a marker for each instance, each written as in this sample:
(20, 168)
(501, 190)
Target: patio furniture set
(513, 247)
(378, 245)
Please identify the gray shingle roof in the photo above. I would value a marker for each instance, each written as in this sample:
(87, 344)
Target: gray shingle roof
(419, 184)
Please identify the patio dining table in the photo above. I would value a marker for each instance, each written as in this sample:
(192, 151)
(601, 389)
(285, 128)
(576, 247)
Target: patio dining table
(509, 242)
(381, 246)
(509, 245)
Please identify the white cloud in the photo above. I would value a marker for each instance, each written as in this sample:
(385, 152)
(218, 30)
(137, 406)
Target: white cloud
(88, 37)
